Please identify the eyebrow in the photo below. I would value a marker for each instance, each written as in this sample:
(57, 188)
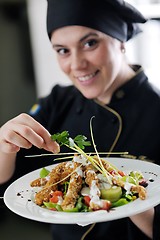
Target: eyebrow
(90, 34)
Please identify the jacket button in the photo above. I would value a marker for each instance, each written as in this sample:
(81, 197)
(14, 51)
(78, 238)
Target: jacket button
(120, 94)
(79, 110)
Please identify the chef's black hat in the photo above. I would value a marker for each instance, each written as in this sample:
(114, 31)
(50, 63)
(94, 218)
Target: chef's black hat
(116, 18)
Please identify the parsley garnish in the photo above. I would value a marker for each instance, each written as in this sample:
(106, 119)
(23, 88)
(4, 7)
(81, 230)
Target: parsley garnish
(63, 138)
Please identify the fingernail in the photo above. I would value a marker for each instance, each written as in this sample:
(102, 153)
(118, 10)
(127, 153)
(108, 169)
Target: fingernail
(56, 147)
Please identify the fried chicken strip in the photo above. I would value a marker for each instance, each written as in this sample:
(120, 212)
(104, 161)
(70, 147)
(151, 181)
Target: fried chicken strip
(53, 177)
(142, 193)
(74, 188)
(93, 182)
(39, 182)
(43, 195)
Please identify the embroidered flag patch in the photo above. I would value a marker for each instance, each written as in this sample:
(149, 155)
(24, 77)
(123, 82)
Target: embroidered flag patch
(35, 109)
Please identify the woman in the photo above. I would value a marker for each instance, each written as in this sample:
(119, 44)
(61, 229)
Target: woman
(89, 39)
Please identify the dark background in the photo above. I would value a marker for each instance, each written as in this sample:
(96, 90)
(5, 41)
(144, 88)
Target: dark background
(17, 94)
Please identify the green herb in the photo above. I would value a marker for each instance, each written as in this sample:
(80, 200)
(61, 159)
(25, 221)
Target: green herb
(80, 140)
(63, 138)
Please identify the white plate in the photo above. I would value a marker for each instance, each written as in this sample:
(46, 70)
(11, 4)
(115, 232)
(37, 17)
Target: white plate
(19, 197)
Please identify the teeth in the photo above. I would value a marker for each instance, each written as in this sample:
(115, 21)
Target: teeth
(87, 77)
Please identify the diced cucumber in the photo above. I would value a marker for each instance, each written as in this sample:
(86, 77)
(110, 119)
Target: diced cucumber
(113, 194)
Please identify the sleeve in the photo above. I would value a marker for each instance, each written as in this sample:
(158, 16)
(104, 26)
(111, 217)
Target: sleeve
(156, 228)
(135, 233)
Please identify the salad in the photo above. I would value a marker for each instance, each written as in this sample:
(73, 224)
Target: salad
(86, 182)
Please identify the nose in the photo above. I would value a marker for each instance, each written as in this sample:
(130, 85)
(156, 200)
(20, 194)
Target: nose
(78, 61)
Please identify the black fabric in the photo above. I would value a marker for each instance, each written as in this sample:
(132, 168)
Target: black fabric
(66, 109)
(115, 18)
(100, 231)
(156, 231)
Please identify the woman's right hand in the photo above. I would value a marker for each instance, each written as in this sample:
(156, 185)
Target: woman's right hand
(22, 132)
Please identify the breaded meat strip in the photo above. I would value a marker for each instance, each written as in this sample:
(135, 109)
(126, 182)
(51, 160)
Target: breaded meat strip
(93, 182)
(69, 168)
(39, 182)
(43, 196)
(53, 178)
(74, 188)
(142, 193)
(55, 175)
(90, 175)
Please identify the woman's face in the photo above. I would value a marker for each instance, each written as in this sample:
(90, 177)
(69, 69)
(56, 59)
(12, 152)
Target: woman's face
(91, 59)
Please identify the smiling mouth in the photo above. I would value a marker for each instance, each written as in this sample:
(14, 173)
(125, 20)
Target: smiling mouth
(87, 77)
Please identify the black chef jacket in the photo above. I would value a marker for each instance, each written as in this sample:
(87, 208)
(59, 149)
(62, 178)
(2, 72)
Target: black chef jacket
(138, 104)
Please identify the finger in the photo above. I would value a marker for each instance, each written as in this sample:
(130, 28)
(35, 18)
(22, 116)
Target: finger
(23, 136)
(9, 148)
(51, 146)
(48, 143)
(36, 133)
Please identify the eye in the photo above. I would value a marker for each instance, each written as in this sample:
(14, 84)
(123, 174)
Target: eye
(91, 43)
(62, 51)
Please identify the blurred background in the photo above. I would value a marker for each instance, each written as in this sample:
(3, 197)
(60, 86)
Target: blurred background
(28, 70)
